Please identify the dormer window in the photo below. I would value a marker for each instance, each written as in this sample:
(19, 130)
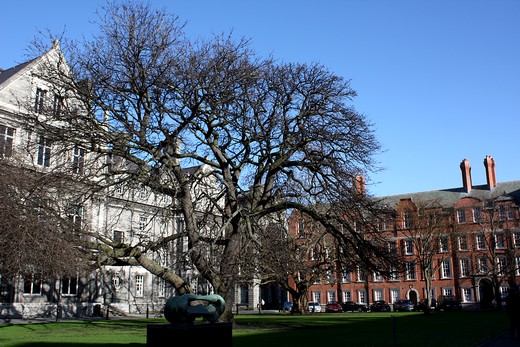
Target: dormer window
(39, 102)
(461, 216)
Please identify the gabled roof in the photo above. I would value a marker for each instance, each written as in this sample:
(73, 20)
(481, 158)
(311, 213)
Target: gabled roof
(5, 75)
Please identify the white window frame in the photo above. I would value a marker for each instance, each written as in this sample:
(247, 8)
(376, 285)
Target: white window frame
(347, 295)
(465, 267)
(445, 269)
(443, 244)
(480, 241)
(461, 216)
(408, 247)
(463, 243)
(139, 286)
(7, 135)
(43, 157)
(410, 273)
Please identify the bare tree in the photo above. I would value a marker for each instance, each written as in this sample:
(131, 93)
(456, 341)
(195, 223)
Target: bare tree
(295, 261)
(429, 232)
(497, 258)
(36, 237)
(286, 135)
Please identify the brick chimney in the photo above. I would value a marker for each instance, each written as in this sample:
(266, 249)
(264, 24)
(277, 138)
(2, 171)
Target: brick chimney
(489, 164)
(465, 167)
(360, 184)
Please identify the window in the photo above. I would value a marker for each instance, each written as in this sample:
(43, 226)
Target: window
(410, 271)
(447, 291)
(480, 241)
(345, 277)
(461, 216)
(466, 295)
(504, 291)
(119, 236)
(377, 277)
(32, 285)
(331, 296)
(6, 141)
(500, 240)
(78, 160)
(392, 247)
(301, 229)
(56, 105)
(116, 281)
(378, 294)
(445, 269)
(75, 214)
(394, 275)
(120, 189)
(408, 247)
(316, 297)
(142, 192)
(464, 267)
(69, 285)
(161, 287)
(501, 264)
(139, 286)
(382, 225)
(347, 295)
(362, 296)
(361, 274)
(44, 152)
(482, 265)
(463, 243)
(142, 223)
(39, 102)
(516, 239)
(477, 214)
(394, 295)
(443, 244)
(505, 213)
(407, 219)
(517, 262)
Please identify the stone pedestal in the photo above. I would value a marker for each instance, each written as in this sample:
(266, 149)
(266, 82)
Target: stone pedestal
(203, 334)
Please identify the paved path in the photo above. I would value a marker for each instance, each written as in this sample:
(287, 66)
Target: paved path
(502, 340)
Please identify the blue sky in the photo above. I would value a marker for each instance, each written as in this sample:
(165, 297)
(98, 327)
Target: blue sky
(439, 79)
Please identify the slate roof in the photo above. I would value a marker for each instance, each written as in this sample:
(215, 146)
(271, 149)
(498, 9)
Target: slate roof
(448, 197)
(6, 74)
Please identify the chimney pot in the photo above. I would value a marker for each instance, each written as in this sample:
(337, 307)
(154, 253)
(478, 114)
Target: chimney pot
(489, 164)
(360, 184)
(465, 167)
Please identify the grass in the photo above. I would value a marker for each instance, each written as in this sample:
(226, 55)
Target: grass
(273, 330)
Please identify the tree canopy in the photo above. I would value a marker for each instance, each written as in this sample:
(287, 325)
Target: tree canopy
(272, 137)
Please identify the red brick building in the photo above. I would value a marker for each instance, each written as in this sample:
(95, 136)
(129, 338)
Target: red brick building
(475, 247)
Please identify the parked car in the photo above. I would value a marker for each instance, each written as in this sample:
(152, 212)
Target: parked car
(287, 306)
(421, 305)
(380, 306)
(448, 303)
(351, 306)
(314, 307)
(403, 305)
(333, 306)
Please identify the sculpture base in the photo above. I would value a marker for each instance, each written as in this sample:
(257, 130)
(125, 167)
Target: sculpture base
(209, 334)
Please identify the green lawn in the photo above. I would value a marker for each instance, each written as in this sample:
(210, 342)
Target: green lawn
(273, 330)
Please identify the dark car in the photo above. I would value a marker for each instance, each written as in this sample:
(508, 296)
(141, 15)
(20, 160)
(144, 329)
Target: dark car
(380, 306)
(421, 305)
(287, 306)
(404, 305)
(351, 306)
(448, 303)
(333, 306)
